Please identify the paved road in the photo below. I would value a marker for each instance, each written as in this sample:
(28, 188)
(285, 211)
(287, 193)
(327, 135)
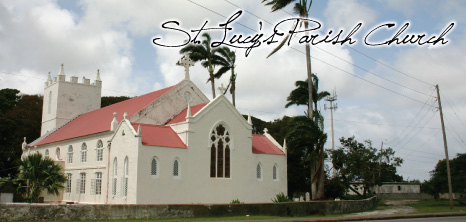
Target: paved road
(430, 219)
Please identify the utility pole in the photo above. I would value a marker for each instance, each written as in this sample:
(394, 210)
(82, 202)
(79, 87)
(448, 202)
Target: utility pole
(331, 99)
(450, 196)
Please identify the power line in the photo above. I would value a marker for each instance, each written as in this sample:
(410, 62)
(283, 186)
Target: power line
(418, 122)
(375, 60)
(357, 66)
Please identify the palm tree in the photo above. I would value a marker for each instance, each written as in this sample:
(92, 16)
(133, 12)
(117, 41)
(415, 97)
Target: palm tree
(203, 52)
(301, 8)
(299, 96)
(36, 174)
(227, 62)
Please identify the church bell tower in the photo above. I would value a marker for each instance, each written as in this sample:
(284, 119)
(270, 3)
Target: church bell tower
(64, 100)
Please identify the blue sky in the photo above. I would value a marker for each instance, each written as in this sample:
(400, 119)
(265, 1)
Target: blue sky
(382, 91)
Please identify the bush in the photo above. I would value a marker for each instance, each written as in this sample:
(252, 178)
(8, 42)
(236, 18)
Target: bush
(281, 198)
(236, 202)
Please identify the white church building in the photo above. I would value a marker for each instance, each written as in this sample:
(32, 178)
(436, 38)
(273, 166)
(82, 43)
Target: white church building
(170, 146)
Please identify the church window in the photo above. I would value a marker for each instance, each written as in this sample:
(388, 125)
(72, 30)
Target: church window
(70, 154)
(84, 153)
(153, 167)
(57, 152)
(274, 172)
(176, 168)
(124, 179)
(259, 171)
(96, 184)
(100, 150)
(68, 183)
(46, 153)
(114, 179)
(82, 184)
(220, 140)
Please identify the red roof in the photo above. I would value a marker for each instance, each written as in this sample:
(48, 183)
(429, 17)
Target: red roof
(156, 135)
(262, 145)
(99, 120)
(182, 116)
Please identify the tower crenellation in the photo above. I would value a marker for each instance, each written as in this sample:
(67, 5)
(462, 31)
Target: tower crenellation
(64, 100)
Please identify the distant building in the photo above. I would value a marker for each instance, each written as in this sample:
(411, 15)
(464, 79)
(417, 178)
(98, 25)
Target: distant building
(166, 147)
(388, 188)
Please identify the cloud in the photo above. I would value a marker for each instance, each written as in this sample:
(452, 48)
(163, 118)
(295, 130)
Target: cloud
(346, 14)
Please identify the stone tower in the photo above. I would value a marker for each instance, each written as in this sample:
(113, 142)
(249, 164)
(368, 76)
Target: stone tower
(64, 100)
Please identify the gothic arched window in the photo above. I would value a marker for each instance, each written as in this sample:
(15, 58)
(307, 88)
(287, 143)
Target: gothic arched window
(70, 154)
(275, 172)
(84, 153)
(259, 171)
(153, 167)
(220, 140)
(176, 168)
(100, 151)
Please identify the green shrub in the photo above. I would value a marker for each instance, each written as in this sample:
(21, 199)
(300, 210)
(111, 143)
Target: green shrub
(281, 198)
(235, 202)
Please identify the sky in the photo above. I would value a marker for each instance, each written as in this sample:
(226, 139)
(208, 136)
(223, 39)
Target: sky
(385, 94)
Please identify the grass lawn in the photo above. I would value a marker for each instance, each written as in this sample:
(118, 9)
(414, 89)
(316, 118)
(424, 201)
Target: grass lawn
(438, 206)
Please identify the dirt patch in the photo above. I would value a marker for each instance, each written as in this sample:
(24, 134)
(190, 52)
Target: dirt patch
(394, 207)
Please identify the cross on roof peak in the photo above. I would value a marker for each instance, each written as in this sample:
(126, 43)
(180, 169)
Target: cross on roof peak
(186, 62)
(221, 89)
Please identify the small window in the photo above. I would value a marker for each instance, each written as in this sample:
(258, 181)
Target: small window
(47, 153)
(274, 172)
(153, 167)
(100, 151)
(259, 171)
(70, 154)
(399, 188)
(176, 168)
(84, 153)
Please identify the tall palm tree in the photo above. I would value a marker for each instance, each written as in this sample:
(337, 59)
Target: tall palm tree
(36, 174)
(203, 52)
(227, 62)
(301, 8)
(299, 96)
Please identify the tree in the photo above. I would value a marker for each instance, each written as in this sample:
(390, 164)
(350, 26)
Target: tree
(227, 62)
(301, 8)
(360, 162)
(299, 96)
(21, 117)
(438, 177)
(36, 174)
(204, 52)
(109, 100)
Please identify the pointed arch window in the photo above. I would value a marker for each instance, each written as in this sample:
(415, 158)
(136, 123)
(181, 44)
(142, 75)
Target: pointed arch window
(114, 178)
(70, 154)
(46, 153)
(124, 179)
(176, 168)
(275, 172)
(100, 151)
(259, 171)
(220, 140)
(153, 167)
(84, 153)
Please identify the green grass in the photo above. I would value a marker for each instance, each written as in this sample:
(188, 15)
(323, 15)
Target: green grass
(437, 206)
